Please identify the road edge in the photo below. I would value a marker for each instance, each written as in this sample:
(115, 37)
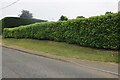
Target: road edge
(59, 58)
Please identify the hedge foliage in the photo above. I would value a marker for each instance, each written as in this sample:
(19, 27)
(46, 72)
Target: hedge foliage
(10, 22)
(98, 31)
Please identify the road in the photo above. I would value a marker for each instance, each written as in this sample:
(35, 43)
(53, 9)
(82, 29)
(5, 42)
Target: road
(16, 64)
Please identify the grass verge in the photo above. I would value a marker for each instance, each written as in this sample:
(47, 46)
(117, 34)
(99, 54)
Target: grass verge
(64, 49)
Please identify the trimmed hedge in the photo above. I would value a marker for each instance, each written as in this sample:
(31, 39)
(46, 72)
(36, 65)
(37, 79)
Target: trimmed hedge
(0, 27)
(10, 22)
(98, 31)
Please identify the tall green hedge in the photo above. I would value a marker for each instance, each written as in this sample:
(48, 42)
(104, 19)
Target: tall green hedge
(99, 31)
(10, 22)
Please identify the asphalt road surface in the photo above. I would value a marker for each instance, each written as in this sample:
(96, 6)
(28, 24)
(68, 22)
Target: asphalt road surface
(16, 64)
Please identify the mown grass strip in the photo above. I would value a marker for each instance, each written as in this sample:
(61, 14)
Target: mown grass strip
(64, 49)
(0, 38)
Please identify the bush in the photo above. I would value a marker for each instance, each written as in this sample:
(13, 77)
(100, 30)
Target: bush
(99, 31)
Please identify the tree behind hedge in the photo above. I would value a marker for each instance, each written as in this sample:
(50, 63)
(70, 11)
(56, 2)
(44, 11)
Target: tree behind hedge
(63, 18)
(80, 17)
(26, 14)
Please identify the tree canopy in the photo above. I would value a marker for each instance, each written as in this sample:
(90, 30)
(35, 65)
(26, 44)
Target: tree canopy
(108, 13)
(63, 18)
(26, 14)
(80, 17)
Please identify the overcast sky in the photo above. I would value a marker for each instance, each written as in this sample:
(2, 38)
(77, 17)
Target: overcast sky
(52, 9)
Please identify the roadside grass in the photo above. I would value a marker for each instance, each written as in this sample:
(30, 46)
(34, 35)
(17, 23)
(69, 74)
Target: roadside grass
(64, 49)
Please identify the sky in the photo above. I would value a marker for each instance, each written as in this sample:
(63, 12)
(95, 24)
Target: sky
(51, 10)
